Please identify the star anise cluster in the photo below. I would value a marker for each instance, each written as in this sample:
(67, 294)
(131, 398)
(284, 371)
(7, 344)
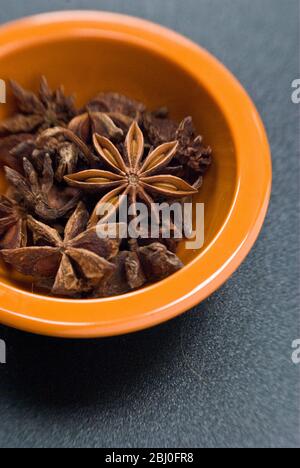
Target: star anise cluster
(62, 164)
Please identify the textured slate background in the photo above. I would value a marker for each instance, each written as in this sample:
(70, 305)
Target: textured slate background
(221, 375)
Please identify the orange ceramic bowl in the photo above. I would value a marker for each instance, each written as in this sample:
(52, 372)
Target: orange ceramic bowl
(93, 51)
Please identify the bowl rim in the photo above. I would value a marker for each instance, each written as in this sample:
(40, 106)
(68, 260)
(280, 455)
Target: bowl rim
(164, 300)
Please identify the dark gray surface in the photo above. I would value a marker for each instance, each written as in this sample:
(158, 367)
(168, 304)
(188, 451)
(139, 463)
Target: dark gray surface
(220, 375)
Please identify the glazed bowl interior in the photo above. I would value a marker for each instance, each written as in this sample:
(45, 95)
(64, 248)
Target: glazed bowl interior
(88, 65)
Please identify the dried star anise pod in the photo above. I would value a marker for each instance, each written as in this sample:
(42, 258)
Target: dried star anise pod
(191, 153)
(191, 150)
(85, 125)
(158, 262)
(39, 193)
(131, 176)
(128, 276)
(134, 269)
(13, 224)
(159, 129)
(122, 110)
(65, 135)
(77, 264)
(122, 121)
(64, 154)
(171, 243)
(7, 147)
(116, 104)
(38, 111)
